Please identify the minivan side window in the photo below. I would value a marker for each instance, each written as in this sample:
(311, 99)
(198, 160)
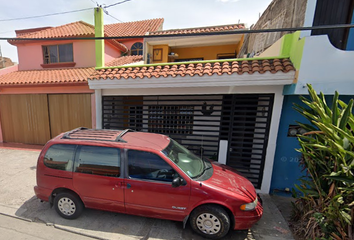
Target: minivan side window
(149, 166)
(95, 160)
(60, 157)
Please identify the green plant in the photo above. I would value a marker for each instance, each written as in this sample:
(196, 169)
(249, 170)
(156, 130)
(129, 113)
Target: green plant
(325, 206)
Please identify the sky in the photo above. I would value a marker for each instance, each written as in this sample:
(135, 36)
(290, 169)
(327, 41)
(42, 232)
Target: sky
(176, 14)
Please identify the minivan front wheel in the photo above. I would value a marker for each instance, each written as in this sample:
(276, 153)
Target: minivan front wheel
(210, 221)
(68, 205)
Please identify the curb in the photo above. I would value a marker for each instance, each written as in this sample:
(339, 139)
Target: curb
(20, 218)
(78, 233)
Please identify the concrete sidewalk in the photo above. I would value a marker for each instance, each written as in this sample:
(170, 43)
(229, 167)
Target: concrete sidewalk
(17, 178)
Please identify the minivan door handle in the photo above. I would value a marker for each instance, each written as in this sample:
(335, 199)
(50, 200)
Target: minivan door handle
(125, 185)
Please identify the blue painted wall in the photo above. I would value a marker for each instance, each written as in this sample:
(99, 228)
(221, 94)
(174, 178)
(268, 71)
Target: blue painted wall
(286, 169)
(350, 43)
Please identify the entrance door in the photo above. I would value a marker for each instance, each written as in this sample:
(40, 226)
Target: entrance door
(148, 188)
(97, 177)
(246, 124)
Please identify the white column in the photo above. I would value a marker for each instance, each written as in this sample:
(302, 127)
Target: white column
(98, 98)
(273, 133)
(223, 151)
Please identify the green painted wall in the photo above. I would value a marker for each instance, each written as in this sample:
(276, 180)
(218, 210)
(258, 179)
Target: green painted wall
(99, 33)
(293, 46)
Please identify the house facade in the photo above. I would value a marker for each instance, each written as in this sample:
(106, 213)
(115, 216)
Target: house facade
(48, 93)
(193, 89)
(322, 58)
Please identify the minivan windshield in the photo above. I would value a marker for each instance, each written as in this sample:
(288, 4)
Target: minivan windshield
(186, 160)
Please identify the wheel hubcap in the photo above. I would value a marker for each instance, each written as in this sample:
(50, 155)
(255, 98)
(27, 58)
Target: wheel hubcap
(208, 223)
(66, 206)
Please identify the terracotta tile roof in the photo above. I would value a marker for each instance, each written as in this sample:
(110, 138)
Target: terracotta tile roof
(221, 28)
(192, 69)
(137, 28)
(52, 76)
(124, 60)
(75, 29)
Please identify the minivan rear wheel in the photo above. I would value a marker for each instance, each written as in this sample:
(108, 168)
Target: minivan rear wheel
(210, 221)
(68, 205)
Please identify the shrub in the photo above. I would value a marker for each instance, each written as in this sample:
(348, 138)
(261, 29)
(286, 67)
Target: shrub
(324, 209)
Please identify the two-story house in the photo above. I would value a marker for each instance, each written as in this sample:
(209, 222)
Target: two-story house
(49, 93)
(192, 88)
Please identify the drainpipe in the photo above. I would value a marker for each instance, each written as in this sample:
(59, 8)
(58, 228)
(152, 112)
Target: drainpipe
(99, 33)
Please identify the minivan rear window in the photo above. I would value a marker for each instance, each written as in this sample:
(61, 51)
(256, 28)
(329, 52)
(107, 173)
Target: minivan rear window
(60, 157)
(95, 160)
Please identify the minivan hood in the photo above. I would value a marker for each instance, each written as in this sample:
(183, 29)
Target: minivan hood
(228, 178)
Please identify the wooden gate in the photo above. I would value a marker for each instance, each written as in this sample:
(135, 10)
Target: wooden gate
(69, 111)
(24, 118)
(36, 118)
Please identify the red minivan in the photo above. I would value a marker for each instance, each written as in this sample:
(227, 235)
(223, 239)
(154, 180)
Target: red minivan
(144, 174)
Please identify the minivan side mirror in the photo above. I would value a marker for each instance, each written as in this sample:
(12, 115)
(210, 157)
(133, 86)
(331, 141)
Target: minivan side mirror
(176, 182)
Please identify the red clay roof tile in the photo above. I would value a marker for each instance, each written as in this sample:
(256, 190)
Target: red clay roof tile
(52, 76)
(137, 28)
(124, 60)
(200, 29)
(75, 29)
(204, 68)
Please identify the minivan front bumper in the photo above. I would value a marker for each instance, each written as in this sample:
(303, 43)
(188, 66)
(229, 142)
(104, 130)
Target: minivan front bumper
(247, 221)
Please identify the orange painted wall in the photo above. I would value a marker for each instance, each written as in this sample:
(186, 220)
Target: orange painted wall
(165, 52)
(207, 52)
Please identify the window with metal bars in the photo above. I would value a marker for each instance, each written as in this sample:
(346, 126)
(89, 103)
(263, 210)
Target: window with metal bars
(171, 119)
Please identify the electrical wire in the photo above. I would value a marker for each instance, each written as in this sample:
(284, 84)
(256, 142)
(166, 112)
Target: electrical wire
(46, 15)
(245, 31)
(114, 17)
(117, 3)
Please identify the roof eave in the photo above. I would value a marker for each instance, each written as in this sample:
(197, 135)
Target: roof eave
(215, 80)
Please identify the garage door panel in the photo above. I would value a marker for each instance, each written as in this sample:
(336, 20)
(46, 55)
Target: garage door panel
(24, 118)
(69, 111)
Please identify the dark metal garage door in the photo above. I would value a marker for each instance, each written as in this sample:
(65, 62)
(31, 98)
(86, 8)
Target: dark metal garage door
(200, 122)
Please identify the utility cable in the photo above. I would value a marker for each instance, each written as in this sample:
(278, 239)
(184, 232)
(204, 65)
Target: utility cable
(116, 3)
(46, 15)
(242, 31)
(114, 17)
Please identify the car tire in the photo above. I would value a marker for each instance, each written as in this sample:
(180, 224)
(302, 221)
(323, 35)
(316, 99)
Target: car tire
(210, 221)
(68, 205)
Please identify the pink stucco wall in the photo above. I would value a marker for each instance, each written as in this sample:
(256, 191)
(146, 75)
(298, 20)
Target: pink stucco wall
(31, 57)
(7, 70)
(130, 42)
(110, 52)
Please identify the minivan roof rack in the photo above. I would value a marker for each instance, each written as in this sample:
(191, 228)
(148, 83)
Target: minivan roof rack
(111, 135)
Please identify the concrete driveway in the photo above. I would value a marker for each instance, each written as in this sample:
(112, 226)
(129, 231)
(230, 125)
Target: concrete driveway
(18, 177)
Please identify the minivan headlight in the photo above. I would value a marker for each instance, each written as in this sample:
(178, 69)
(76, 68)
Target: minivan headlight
(249, 206)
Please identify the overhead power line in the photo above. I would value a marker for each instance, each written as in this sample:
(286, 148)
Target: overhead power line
(338, 26)
(114, 17)
(117, 3)
(46, 15)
